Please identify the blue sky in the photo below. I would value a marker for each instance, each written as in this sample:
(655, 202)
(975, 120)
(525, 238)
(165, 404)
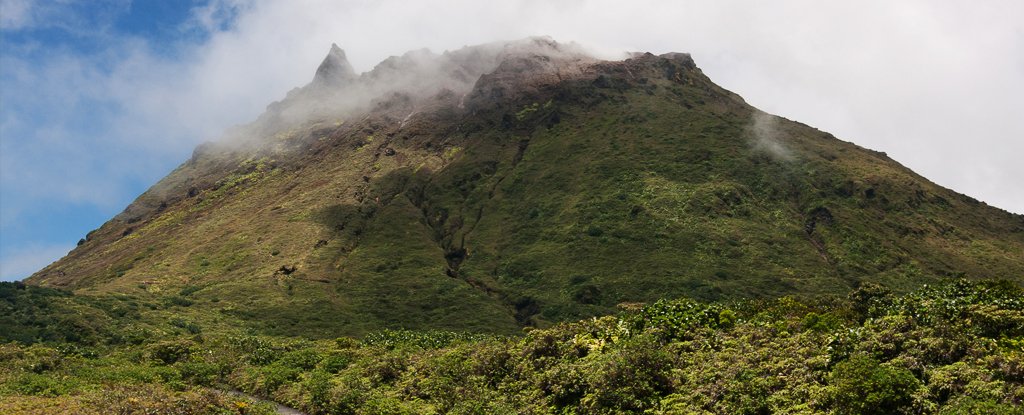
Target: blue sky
(53, 139)
(101, 98)
(73, 150)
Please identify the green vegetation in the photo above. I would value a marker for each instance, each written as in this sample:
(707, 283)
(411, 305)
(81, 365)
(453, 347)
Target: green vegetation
(952, 348)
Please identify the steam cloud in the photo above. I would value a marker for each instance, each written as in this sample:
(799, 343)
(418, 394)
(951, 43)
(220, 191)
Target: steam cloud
(764, 128)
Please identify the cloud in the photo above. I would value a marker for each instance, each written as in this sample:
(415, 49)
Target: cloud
(765, 131)
(68, 15)
(15, 14)
(217, 15)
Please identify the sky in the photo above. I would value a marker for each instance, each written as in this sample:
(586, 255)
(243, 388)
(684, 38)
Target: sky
(99, 99)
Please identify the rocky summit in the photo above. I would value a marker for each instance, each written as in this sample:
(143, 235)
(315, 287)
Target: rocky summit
(520, 184)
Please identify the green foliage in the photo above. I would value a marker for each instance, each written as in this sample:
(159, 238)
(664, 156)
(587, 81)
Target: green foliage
(177, 300)
(257, 350)
(433, 339)
(301, 359)
(150, 399)
(678, 319)
(992, 309)
(527, 110)
(861, 386)
(271, 377)
(189, 326)
(35, 314)
(171, 351)
(822, 323)
(318, 387)
(201, 373)
(188, 290)
(970, 406)
(38, 385)
(336, 361)
(868, 297)
(946, 349)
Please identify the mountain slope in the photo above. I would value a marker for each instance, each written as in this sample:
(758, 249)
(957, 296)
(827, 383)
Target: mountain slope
(523, 183)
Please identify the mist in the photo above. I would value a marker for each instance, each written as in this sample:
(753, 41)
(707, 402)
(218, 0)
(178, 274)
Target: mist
(404, 85)
(767, 138)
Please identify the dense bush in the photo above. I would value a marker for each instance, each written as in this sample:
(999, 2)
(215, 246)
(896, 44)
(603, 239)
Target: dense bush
(862, 386)
(171, 351)
(954, 348)
(433, 339)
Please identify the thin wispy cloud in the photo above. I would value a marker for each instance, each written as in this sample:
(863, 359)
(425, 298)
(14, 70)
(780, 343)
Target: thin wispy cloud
(81, 17)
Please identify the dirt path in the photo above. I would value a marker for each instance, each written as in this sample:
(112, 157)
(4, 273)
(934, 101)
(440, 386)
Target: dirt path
(281, 409)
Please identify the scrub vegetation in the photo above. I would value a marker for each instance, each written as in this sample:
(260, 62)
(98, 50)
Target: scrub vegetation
(952, 348)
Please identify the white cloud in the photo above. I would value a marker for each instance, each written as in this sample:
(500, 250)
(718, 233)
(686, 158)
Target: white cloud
(217, 15)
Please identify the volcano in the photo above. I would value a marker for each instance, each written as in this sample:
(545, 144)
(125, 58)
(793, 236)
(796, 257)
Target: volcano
(519, 184)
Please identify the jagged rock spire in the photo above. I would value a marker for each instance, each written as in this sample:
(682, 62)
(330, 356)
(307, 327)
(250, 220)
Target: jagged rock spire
(334, 70)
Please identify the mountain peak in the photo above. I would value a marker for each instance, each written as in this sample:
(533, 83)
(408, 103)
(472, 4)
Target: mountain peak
(335, 69)
(524, 183)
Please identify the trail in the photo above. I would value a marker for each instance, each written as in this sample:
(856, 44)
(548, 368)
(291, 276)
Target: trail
(280, 409)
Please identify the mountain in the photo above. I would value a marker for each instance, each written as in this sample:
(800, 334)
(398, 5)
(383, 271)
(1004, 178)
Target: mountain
(523, 183)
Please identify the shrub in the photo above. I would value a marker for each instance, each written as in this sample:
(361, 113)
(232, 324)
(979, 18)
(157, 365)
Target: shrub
(821, 323)
(862, 386)
(301, 359)
(432, 339)
(39, 359)
(152, 399)
(632, 378)
(336, 362)
(726, 319)
(257, 350)
(868, 297)
(177, 300)
(38, 385)
(189, 326)
(318, 387)
(188, 290)
(274, 376)
(678, 319)
(170, 352)
(969, 406)
(200, 373)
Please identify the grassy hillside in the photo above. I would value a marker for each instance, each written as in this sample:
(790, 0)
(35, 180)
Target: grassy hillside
(530, 201)
(952, 348)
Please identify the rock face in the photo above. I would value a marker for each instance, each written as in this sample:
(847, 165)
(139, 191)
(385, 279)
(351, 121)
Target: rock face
(416, 81)
(334, 71)
(523, 183)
